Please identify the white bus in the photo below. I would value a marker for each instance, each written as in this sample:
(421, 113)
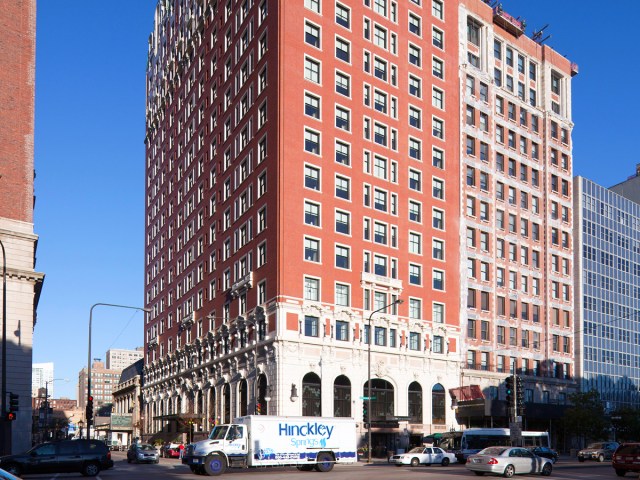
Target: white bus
(475, 439)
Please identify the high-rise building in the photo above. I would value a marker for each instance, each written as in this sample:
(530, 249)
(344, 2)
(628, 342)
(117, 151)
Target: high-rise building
(41, 374)
(119, 359)
(103, 382)
(18, 241)
(301, 180)
(517, 249)
(305, 175)
(607, 298)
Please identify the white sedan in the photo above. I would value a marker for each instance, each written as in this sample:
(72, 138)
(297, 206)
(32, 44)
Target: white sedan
(508, 461)
(423, 456)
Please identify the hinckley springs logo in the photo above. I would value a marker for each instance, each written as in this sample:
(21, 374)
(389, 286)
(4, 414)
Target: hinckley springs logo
(303, 434)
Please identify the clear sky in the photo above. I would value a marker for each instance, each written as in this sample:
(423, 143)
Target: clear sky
(89, 157)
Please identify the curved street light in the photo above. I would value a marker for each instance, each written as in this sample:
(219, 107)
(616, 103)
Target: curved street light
(143, 309)
(46, 403)
(397, 301)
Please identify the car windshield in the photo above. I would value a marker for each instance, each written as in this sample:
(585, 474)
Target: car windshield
(596, 445)
(146, 447)
(218, 433)
(492, 451)
(416, 450)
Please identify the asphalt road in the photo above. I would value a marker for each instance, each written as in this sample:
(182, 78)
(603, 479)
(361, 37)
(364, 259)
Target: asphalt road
(170, 468)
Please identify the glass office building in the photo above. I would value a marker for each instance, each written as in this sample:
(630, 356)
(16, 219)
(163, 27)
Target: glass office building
(607, 293)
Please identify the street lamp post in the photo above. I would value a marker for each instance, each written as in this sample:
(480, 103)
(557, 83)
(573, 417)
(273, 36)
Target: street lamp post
(46, 404)
(89, 421)
(397, 301)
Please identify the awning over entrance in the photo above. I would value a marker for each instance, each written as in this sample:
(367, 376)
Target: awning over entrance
(466, 393)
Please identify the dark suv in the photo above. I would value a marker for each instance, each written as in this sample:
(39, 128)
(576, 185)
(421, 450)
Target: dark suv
(85, 456)
(626, 458)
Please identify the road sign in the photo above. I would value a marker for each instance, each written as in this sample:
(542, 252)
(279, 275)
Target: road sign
(367, 398)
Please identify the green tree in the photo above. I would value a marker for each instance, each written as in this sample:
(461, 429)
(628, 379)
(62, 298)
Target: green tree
(586, 419)
(625, 422)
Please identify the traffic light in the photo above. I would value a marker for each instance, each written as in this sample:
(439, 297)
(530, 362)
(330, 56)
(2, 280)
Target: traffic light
(520, 395)
(509, 390)
(365, 411)
(10, 416)
(14, 399)
(89, 411)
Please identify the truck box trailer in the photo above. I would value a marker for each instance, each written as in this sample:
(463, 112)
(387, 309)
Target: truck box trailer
(263, 441)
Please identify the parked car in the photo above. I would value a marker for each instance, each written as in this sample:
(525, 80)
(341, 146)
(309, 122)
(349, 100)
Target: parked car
(171, 450)
(423, 456)
(545, 452)
(600, 451)
(508, 461)
(4, 475)
(625, 459)
(85, 456)
(142, 453)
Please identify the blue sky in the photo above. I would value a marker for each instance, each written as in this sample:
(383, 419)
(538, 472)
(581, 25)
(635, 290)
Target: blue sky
(89, 157)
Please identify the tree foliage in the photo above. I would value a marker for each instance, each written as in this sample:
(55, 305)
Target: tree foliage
(586, 418)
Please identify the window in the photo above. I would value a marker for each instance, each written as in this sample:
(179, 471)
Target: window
(312, 70)
(380, 101)
(342, 294)
(380, 69)
(343, 49)
(438, 128)
(312, 34)
(312, 214)
(437, 9)
(342, 222)
(311, 250)
(415, 211)
(438, 39)
(342, 119)
(342, 16)
(312, 5)
(415, 274)
(414, 24)
(342, 330)
(438, 219)
(415, 180)
(380, 36)
(312, 177)
(343, 84)
(415, 55)
(414, 117)
(415, 87)
(438, 249)
(311, 105)
(438, 280)
(311, 289)
(438, 98)
(342, 187)
(415, 243)
(342, 257)
(415, 149)
(437, 68)
(312, 141)
(438, 188)
(555, 83)
(473, 31)
(414, 341)
(311, 325)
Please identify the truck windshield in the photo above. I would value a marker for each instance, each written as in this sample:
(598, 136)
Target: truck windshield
(218, 433)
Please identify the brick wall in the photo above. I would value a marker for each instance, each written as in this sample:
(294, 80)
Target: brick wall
(17, 92)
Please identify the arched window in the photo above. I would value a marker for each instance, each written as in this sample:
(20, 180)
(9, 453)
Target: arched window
(244, 399)
(226, 398)
(438, 416)
(311, 395)
(341, 397)
(382, 403)
(415, 403)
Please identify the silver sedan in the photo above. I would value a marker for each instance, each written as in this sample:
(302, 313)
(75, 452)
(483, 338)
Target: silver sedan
(508, 461)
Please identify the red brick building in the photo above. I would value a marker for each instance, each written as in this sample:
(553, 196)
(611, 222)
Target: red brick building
(302, 174)
(23, 283)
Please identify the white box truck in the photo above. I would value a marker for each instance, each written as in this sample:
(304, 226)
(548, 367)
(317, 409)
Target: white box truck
(263, 441)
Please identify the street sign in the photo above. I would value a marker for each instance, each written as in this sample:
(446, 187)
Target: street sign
(367, 398)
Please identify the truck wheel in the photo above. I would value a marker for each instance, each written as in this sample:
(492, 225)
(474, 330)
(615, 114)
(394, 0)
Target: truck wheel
(215, 464)
(325, 462)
